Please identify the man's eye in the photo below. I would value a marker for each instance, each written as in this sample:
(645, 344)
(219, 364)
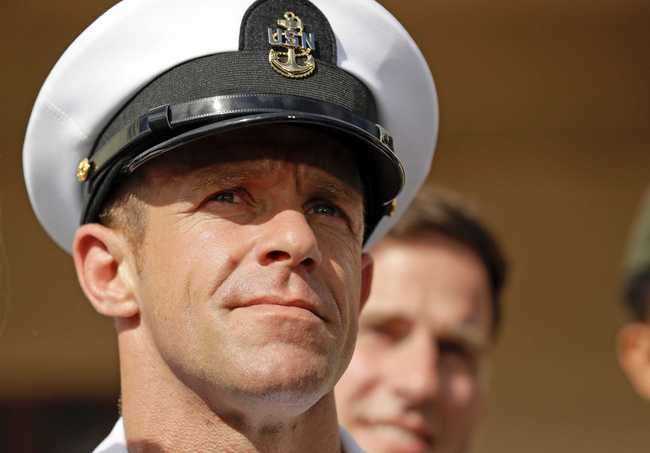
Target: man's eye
(326, 209)
(456, 357)
(227, 196)
(452, 348)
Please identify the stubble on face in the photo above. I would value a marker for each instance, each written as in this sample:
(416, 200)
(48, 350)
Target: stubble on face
(217, 271)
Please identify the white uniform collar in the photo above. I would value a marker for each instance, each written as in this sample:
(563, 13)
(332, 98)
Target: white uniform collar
(116, 441)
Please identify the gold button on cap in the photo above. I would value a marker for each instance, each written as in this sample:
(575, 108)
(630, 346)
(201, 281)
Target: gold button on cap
(83, 170)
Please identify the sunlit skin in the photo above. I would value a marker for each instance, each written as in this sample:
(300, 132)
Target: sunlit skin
(634, 352)
(243, 298)
(417, 378)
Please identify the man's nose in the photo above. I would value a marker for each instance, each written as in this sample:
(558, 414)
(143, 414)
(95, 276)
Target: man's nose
(289, 240)
(415, 371)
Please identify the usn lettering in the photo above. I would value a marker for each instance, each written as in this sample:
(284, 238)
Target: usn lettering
(289, 38)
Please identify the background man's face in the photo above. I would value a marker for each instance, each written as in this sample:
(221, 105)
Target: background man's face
(228, 240)
(415, 381)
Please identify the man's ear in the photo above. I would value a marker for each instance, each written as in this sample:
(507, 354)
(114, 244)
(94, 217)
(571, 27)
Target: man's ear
(634, 355)
(104, 270)
(367, 268)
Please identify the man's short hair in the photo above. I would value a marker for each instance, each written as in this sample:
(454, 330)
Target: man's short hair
(445, 214)
(124, 209)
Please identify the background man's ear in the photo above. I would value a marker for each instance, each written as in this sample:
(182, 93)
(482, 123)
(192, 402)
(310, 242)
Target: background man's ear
(367, 268)
(634, 355)
(104, 271)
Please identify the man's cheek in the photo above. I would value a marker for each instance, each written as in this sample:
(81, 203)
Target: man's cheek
(463, 389)
(363, 373)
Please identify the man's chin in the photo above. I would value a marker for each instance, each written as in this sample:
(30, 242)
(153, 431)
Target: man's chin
(261, 326)
(283, 373)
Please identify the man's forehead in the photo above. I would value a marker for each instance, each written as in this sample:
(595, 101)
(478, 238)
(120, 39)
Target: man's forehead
(432, 310)
(254, 153)
(423, 297)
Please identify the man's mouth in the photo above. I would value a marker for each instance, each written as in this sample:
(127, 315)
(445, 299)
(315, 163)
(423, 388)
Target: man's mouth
(404, 436)
(288, 303)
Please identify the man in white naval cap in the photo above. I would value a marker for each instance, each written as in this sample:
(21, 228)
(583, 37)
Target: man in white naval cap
(217, 169)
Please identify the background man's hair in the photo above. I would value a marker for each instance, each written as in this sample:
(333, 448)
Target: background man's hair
(636, 292)
(445, 214)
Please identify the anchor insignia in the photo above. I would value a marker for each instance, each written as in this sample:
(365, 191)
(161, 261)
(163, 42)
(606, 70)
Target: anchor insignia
(296, 60)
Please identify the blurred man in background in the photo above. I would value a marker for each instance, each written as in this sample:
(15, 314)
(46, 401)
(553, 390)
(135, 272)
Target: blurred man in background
(417, 379)
(634, 337)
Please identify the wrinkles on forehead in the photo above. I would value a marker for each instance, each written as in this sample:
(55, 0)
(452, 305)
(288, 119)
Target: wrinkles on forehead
(318, 156)
(330, 181)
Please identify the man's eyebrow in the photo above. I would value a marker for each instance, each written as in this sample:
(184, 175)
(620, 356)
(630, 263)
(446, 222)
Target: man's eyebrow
(224, 176)
(338, 191)
(467, 335)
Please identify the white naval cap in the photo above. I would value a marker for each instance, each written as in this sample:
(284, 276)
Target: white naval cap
(151, 75)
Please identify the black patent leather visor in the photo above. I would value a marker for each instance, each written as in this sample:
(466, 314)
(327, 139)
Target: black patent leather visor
(167, 127)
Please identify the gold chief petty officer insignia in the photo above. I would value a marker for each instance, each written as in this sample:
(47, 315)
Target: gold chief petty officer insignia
(295, 60)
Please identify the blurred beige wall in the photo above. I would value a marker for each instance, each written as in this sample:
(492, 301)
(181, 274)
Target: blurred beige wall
(545, 108)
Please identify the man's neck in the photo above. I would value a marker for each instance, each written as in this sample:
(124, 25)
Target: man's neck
(162, 414)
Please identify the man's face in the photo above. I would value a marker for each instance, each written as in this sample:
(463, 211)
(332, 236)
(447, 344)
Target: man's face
(415, 381)
(250, 270)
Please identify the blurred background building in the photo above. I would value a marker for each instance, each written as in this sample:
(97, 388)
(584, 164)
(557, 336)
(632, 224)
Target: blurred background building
(545, 114)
